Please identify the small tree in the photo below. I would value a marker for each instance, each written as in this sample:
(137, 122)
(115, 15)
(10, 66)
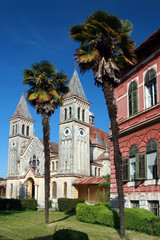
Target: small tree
(47, 87)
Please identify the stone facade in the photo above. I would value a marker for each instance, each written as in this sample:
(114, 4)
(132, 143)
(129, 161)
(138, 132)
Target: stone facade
(82, 150)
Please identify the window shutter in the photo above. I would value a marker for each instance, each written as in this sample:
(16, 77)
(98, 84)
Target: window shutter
(141, 166)
(157, 162)
(125, 167)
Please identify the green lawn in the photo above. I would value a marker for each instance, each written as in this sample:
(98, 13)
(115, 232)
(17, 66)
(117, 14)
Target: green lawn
(30, 225)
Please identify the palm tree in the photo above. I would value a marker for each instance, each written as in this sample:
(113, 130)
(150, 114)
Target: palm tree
(47, 87)
(106, 47)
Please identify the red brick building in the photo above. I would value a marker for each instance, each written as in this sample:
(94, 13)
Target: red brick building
(138, 101)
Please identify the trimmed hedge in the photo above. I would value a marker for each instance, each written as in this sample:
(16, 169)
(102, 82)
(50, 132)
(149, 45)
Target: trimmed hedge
(18, 204)
(68, 204)
(135, 219)
(69, 234)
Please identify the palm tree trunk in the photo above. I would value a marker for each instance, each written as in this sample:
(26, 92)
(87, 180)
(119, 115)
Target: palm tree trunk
(108, 91)
(46, 138)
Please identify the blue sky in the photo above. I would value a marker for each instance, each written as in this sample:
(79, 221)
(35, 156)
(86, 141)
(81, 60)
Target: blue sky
(36, 30)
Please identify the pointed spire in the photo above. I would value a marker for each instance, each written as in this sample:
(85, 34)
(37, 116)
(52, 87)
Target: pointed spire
(75, 87)
(22, 109)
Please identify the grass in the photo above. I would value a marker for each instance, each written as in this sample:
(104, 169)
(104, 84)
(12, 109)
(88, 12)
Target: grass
(29, 225)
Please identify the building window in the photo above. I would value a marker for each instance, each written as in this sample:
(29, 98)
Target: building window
(65, 114)
(11, 190)
(53, 166)
(16, 128)
(125, 164)
(13, 130)
(83, 113)
(70, 112)
(65, 189)
(34, 162)
(135, 204)
(151, 88)
(154, 207)
(23, 129)
(133, 98)
(95, 171)
(99, 172)
(141, 166)
(151, 151)
(56, 165)
(132, 161)
(27, 130)
(78, 113)
(54, 189)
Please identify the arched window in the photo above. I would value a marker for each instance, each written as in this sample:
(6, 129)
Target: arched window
(83, 112)
(152, 156)
(56, 165)
(54, 189)
(13, 130)
(132, 161)
(23, 129)
(11, 190)
(65, 189)
(99, 172)
(78, 113)
(70, 112)
(34, 162)
(65, 114)
(151, 88)
(95, 171)
(16, 128)
(133, 98)
(52, 166)
(27, 130)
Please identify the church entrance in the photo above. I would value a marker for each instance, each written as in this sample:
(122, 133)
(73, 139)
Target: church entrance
(30, 188)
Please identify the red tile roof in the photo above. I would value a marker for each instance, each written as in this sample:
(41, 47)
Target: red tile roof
(90, 180)
(99, 137)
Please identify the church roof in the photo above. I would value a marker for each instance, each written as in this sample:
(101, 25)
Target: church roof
(90, 180)
(98, 136)
(75, 87)
(22, 109)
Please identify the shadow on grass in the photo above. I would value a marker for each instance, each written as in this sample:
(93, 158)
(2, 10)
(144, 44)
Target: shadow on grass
(7, 212)
(62, 219)
(49, 237)
(1, 237)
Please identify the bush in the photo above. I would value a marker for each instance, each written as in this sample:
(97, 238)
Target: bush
(106, 204)
(135, 219)
(69, 235)
(139, 220)
(18, 204)
(68, 204)
(156, 227)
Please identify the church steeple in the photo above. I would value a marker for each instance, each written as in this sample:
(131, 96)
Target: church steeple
(74, 153)
(75, 87)
(22, 109)
(21, 130)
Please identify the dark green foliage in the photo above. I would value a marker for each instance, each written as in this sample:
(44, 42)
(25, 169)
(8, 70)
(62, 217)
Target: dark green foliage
(140, 220)
(106, 204)
(68, 204)
(69, 234)
(50, 203)
(18, 204)
(156, 227)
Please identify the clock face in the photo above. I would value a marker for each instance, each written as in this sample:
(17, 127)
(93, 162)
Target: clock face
(81, 132)
(67, 131)
(13, 144)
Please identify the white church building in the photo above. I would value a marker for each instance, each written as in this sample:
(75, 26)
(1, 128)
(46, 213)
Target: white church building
(78, 162)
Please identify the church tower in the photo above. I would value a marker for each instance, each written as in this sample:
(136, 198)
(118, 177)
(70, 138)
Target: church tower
(21, 130)
(74, 147)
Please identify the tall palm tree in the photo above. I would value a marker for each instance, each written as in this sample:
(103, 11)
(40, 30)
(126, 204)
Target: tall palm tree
(106, 47)
(47, 87)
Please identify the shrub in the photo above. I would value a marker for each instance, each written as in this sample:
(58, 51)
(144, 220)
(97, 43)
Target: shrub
(18, 204)
(139, 220)
(156, 227)
(135, 219)
(106, 204)
(69, 234)
(68, 204)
